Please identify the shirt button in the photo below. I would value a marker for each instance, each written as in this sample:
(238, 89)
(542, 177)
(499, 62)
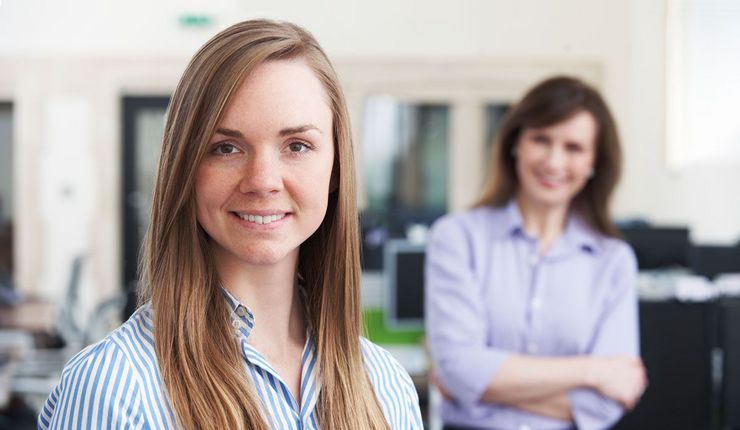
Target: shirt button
(532, 347)
(235, 323)
(241, 311)
(536, 303)
(534, 259)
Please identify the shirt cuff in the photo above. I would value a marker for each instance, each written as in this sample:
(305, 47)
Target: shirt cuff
(592, 411)
(466, 374)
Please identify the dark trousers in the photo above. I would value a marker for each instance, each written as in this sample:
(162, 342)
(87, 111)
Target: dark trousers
(454, 427)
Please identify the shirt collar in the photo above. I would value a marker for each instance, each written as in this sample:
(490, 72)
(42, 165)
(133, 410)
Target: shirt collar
(242, 318)
(505, 221)
(577, 234)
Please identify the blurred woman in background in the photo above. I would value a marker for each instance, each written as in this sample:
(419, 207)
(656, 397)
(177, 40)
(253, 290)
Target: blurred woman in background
(531, 303)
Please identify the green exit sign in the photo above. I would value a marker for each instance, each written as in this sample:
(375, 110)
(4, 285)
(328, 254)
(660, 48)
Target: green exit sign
(192, 20)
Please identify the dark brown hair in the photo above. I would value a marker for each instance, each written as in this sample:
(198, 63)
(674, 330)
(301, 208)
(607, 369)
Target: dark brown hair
(552, 101)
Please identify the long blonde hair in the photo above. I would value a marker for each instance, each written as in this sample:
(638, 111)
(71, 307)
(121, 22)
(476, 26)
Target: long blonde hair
(201, 366)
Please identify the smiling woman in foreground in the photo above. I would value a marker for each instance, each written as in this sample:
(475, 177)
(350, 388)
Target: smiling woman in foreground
(251, 274)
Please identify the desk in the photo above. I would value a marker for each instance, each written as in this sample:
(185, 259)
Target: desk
(34, 316)
(19, 325)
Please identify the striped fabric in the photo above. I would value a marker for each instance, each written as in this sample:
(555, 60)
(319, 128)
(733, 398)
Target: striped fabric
(116, 384)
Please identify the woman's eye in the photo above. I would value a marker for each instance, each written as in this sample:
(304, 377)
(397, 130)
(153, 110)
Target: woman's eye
(225, 149)
(574, 148)
(297, 147)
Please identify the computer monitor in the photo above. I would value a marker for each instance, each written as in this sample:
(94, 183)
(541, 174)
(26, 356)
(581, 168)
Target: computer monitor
(404, 276)
(711, 261)
(659, 247)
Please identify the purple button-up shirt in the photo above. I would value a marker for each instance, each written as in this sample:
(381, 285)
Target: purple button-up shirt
(489, 294)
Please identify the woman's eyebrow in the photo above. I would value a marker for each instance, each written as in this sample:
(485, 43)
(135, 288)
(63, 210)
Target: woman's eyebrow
(229, 132)
(298, 129)
(284, 132)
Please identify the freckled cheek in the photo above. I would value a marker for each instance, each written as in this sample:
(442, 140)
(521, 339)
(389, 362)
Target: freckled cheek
(319, 174)
(315, 187)
(311, 191)
(214, 179)
(203, 207)
(211, 192)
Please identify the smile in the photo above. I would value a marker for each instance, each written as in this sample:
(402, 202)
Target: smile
(550, 180)
(260, 219)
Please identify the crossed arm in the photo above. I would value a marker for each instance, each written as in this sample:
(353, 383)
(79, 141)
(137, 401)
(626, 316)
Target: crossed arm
(541, 385)
(592, 389)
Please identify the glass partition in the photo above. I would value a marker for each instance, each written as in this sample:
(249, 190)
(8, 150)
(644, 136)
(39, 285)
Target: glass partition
(6, 195)
(405, 170)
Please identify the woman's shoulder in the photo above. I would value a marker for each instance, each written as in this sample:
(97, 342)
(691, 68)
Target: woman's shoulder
(393, 386)
(614, 261)
(618, 251)
(130, 346)
(605, 247)
(473, 222)
(138, 327)
(379, 361)
(113, 373)
(484, 214)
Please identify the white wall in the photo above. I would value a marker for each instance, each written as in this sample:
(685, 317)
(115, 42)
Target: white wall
(704, 197)
(94, 51)
(384, 27)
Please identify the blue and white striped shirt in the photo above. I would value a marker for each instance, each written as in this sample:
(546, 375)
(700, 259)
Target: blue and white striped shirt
(116, 384)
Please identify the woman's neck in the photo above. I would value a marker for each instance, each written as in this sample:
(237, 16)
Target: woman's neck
(279, 331)
(270, 293)
(546, 223)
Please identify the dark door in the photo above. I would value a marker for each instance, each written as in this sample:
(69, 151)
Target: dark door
(143, 125)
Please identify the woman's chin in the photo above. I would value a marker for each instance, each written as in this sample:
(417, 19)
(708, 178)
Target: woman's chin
(261, 256)
(548, 198)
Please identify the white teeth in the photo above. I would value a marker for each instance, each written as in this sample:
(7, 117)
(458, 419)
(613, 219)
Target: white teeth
(261, 219)
(549, 178)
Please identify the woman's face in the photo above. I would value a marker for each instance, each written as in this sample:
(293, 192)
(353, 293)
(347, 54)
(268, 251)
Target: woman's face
(262, 188)
(554, 163)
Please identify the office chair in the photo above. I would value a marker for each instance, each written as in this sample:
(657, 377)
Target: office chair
(37, 373)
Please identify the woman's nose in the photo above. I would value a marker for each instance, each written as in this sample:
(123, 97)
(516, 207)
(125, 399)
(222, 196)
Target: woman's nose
(555, 157)
(262, 175)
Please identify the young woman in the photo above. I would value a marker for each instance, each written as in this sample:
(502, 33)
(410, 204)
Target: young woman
(251, 314)
(531, 298)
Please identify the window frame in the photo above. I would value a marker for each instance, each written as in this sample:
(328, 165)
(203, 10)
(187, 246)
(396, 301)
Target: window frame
(467, 86)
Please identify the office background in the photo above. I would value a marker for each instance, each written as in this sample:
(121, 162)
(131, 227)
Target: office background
(83, 86)
(67, 65)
